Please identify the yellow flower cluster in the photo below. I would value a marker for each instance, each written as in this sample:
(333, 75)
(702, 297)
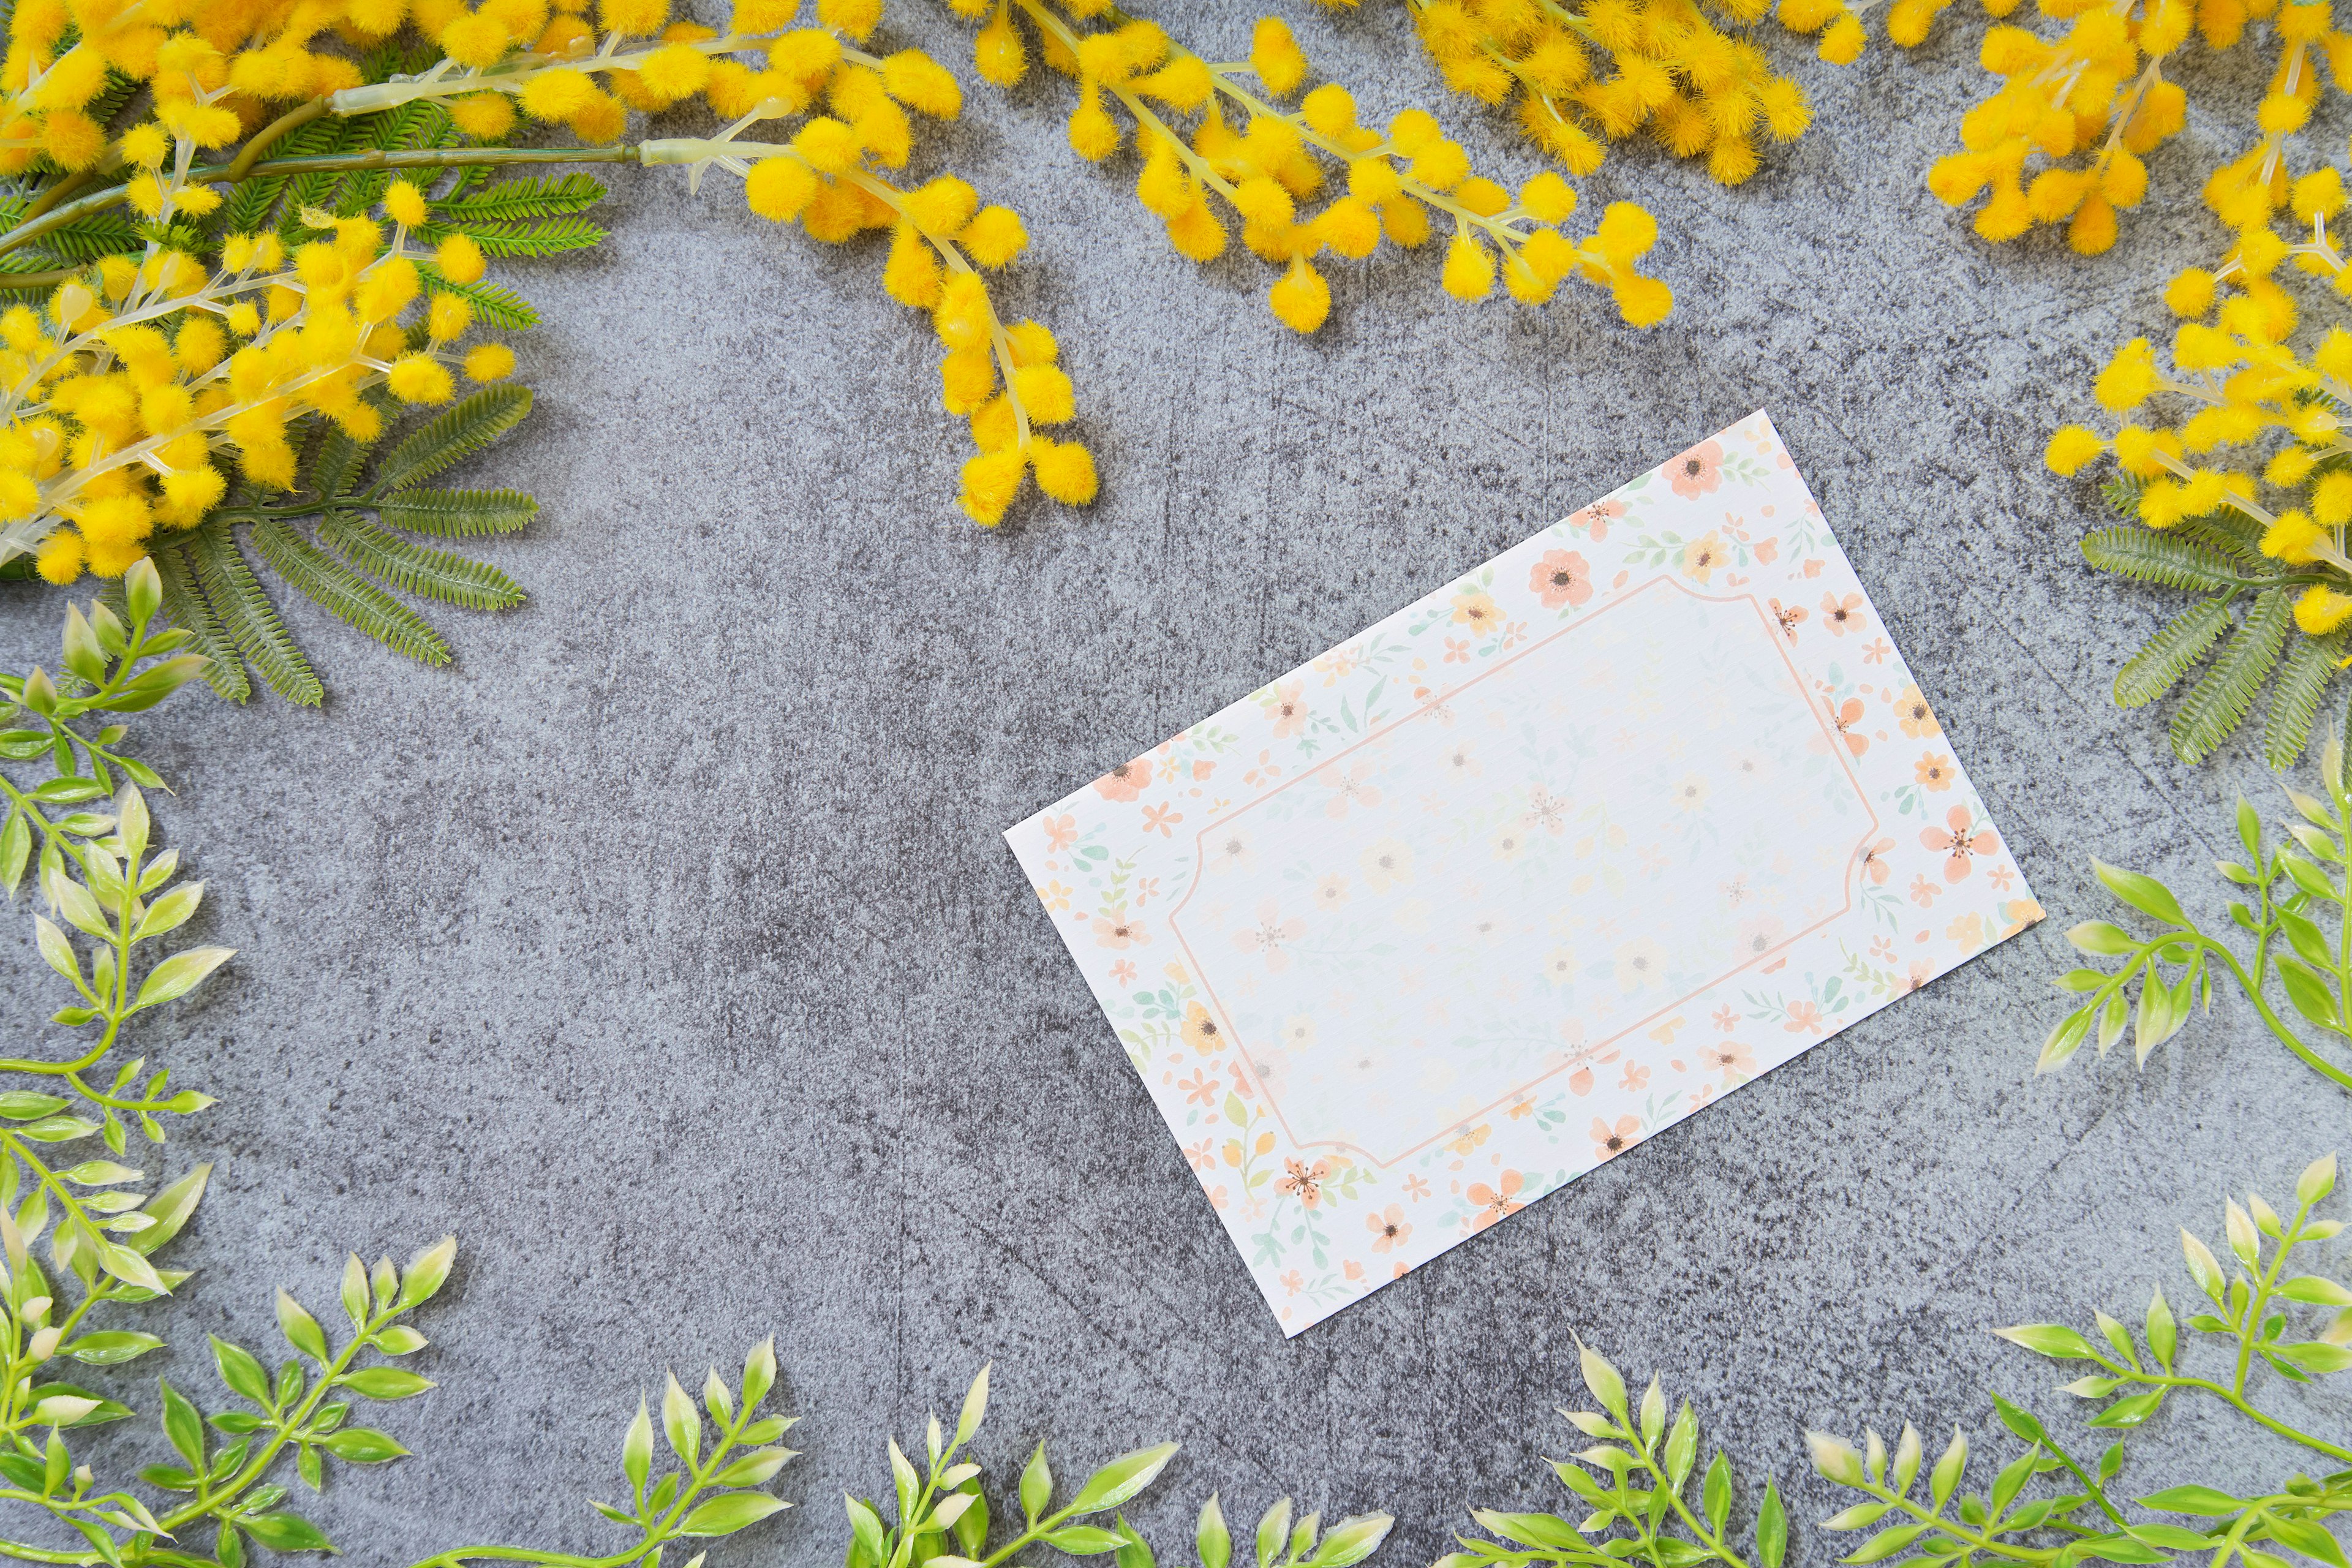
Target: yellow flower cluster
(1003, 378)
(647, 61)
(115, 399)
(2099, 93)
(2247, 386)
(855, 107)
(1261, 165)
(1624, 65)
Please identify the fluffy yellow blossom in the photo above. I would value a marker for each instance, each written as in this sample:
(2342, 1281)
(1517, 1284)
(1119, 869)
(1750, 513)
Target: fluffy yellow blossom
(1580, 75)
(2249, 484)
(1219, 159)
(2099, 94)
(128, 396)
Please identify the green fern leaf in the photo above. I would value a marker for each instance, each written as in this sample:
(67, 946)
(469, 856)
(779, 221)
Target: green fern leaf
(90, 236)
(249, 205)
(495, 305)
(184, 607)
(2167, 656)
(414, 125)
(511, 201)
(334, 464)
(2294, 703)
(435, 574)
(2149, 557)
(119, 89)
(2121, 492)
(453, 436)
(343, 593)
(2230, 531)
(457, 514)
(2219, 703)
(247, 618)
(553, 238)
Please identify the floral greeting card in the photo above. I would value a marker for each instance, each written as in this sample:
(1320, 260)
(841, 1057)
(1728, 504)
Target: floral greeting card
(1599, 832)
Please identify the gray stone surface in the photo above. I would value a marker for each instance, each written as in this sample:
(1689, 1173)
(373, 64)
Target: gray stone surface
(664, 948)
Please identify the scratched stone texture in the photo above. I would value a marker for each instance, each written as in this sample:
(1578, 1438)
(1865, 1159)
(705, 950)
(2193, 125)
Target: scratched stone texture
(665, 948)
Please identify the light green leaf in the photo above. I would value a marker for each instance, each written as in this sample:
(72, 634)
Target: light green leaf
(427, 1272)
(2053, 1340)
(975, 1409)
(638, 1450)
(1122, 1479)
(1210, 1537)
(1352, 1539)
(1036, 1485)
(384, 1382)
(179, 974)
(736, 1510)
(681, 1423)
(1607, 1386)
(2145, 894)
(170, 911)
(1083, 1539)
(301, 1330)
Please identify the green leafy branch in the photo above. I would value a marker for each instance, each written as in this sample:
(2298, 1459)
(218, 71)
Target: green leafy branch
(2251, 1312)
(2080, 1518)
(2220, 558)
(108, 667)
(354, 557)
(1648, 1464)
(2291, 886)
(941, 1515)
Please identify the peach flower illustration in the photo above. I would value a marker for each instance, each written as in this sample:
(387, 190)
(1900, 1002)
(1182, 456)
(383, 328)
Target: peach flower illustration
(1115, 929)
(1271, 936)
(1841, 615)
(1874, 863)
(1608, 1142)
(1917, 718)
(1287, 709)
(1304, 1182)
(1387, 864)
(1933, 771)
(1849, 715)
(1200, 1031)
(1476, 610)
(1496, 1201)
(1561, 577)
(1126, 780)
(1595, 519)
(1702, 555)
(1697, 472)
(1387, 1227)
(1061, 832)
(1735, 1061)
(1960, 840)
(1352, 786)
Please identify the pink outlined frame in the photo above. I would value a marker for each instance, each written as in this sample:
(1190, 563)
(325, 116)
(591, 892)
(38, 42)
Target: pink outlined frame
(1830, 736)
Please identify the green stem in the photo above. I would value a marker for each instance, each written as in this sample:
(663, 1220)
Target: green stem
(2269, 1019)
(257, 1464)
(379, 158)
(1976, 1540)
(269, 135)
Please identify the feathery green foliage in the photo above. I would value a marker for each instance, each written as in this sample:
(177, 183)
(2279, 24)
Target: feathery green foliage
(2045, 1507)
(2216, 556)
(939, 1515)
(2293, 887)
(345, 562)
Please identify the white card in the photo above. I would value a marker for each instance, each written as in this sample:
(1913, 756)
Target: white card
(1635, 812)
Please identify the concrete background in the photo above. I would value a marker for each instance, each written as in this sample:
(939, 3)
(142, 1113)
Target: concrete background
(664, 948)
